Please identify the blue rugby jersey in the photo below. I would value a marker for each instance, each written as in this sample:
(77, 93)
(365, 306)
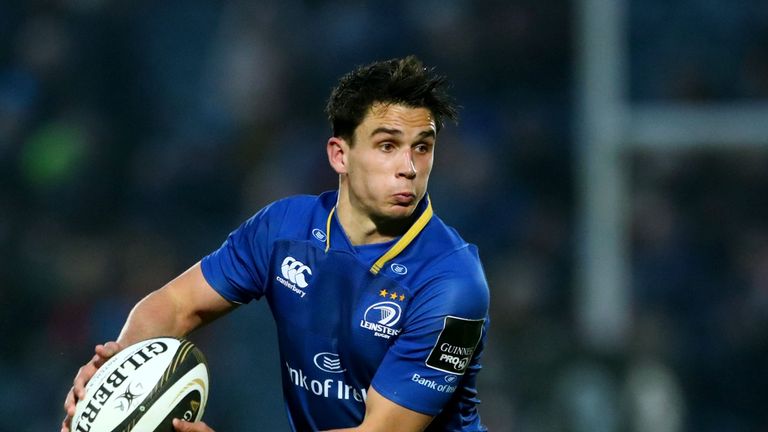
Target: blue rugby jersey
(408, 317)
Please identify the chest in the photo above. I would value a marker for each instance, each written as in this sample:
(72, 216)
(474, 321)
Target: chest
(331, 302)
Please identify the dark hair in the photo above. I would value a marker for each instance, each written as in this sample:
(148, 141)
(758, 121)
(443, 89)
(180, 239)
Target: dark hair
(400, 81)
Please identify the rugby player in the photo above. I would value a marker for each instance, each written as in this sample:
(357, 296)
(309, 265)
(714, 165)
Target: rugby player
(381, 309)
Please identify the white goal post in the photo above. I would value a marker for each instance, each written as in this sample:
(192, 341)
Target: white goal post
(607, 126)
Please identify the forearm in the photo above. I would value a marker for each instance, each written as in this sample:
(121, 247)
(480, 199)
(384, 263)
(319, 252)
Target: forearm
(155, 315)
(383, 415)
(176, 309)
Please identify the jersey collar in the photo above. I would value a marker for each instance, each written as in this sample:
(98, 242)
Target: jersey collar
(399, 246)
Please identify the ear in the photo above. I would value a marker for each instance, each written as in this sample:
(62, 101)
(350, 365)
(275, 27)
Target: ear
(337, 149)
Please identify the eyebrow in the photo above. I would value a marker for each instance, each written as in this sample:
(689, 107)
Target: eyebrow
(393, 131)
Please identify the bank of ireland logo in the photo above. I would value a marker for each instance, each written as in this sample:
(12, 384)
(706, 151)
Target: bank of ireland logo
(381, 318)
(294, 271)
(328, 362)
(398, 268)
(318, 234)
(450, 379)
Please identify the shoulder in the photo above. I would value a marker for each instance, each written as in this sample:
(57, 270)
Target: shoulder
(459, 281)
(292, 209)
(440, 235)
(295, 204)
(440, 252)
(450, 273)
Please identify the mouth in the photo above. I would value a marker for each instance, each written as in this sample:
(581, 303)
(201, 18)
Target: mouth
(404, 198)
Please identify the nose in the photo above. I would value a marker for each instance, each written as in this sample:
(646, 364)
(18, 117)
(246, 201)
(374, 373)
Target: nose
(407, 169)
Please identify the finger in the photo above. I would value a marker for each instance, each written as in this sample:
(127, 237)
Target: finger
(83, 376)
(69, 403)
(105, 352)
(65, 424)
(108, 349)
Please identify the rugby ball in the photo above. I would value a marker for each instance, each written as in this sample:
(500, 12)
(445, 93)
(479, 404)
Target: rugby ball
(144, 387)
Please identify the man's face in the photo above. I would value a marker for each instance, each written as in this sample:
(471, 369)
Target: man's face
(388, 165)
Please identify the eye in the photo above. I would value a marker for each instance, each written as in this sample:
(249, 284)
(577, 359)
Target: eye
(386, 147)
(422, 148)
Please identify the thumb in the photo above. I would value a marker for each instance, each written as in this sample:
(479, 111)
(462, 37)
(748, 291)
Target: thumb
(184, 426)
(181, 426)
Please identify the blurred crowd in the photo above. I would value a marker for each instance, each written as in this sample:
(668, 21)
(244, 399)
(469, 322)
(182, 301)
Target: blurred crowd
(135, 135)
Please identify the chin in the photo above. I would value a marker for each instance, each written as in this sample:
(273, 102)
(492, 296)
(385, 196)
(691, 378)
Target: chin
(401, 212)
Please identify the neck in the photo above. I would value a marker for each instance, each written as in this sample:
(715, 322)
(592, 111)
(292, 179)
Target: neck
(363, 228)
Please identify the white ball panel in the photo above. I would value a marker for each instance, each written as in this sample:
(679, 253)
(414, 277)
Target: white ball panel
(194, 380)
(122, 384)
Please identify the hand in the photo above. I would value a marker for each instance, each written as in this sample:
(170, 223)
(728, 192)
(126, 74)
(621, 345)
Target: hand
(182, 426)
(102, 354)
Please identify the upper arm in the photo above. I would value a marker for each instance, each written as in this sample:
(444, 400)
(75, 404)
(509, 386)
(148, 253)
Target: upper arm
(437, 354)
(237, 270)
(231, 275)
(383, 415)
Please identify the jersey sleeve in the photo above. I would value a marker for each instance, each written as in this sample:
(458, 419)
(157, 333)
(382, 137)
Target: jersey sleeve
(437, 354)
(237, 269)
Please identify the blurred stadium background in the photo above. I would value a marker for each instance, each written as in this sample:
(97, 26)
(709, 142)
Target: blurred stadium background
(611, 165)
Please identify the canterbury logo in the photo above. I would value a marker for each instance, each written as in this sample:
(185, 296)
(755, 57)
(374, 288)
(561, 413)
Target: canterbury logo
(294, 270)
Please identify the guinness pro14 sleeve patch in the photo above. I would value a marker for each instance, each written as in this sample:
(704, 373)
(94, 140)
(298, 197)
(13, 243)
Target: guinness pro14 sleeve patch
(455, 345)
